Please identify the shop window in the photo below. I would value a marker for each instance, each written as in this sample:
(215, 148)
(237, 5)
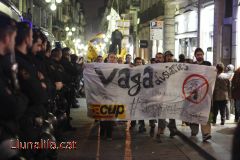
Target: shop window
(228, 8)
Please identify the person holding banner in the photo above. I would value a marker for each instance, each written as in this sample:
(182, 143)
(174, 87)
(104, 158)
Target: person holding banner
(160, 58)
(106, 126)
(128, 59)
(99, 59)
(168, 57)
(206, 129)
(138, 62)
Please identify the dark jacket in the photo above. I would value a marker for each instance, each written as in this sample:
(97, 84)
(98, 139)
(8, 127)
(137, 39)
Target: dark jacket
(236, 85)
(29, 82)
(13, 102)
(206, 63)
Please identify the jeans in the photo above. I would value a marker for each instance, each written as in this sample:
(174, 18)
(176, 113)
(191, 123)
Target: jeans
(219, 105)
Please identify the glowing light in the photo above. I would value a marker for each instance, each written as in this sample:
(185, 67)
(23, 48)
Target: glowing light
(67, 29)
(82, 46)
(70, 33)
(108, 17)
(106, 40)
(73, 29)
(59, 1)
(98, 48)
(85, 47)
(53, 7)
(103, 45)
(78, 40)
(47, 1)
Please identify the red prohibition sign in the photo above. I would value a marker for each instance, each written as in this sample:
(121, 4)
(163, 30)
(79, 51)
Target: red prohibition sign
(191, 88)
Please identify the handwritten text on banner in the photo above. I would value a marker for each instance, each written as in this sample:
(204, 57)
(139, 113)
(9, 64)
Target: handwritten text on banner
(167, 90)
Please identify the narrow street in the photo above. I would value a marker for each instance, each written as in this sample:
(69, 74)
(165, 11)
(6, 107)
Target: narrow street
(125, 145)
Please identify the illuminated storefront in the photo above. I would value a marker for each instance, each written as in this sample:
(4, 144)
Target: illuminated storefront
(186, 27)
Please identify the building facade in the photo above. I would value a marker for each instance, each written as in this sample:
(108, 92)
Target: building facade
(226, 31)
(54, 19)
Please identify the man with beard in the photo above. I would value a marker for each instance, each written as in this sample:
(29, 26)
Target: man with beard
(30, 83)
(13, 102)
(29, 78)
(206, 129)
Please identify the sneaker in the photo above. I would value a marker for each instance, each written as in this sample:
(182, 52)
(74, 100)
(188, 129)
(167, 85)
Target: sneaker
(206, 137)
(222, 123)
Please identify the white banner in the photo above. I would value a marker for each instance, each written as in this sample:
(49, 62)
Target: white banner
(163, 90)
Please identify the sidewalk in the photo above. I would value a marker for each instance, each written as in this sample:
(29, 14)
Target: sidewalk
(219, 147)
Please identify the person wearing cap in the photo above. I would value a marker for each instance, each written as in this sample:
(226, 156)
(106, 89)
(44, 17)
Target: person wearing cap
(168, 56)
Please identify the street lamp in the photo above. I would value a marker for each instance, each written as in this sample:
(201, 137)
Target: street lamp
(47, 1)
(73, 29)
(59, 1)
(70, 33)
(108, 17)
(67, 29)
(53, 7)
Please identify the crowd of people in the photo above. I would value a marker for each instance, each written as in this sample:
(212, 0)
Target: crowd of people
(226, 96)
(39, 85)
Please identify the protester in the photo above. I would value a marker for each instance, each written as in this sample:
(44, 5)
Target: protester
(206, 129)
(220, 94)
(99, 59)
(106, 126)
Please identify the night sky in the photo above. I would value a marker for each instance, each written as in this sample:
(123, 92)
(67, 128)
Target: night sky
(91, 12)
